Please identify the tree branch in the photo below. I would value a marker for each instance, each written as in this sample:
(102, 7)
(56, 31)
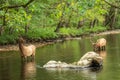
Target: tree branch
(30, 1)
(112, 4)
(17, 6)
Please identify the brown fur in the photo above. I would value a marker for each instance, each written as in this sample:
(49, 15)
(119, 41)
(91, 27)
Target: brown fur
(26, 51)
(100, 44)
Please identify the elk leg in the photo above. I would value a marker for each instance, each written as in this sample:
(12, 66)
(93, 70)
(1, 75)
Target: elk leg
(24, 58)
(99, 48)
(104, 47)
(33, 56)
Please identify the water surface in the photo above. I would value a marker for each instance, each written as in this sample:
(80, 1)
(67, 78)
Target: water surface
(11, 67)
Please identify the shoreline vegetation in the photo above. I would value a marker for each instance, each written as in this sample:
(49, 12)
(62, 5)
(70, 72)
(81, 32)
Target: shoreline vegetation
(14, 47)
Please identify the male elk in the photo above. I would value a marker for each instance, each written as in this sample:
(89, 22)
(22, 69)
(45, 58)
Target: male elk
(26, 51)
(99, 45)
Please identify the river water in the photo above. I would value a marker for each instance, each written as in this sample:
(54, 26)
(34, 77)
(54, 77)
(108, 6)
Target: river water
(11, 67)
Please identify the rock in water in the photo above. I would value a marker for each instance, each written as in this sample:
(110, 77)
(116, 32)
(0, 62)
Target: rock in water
(90, 59)
(55, 64)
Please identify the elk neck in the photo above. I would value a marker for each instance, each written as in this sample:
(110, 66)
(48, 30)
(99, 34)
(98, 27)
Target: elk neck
(21, 46)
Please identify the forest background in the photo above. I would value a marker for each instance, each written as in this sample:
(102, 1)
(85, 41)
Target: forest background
(42, 20)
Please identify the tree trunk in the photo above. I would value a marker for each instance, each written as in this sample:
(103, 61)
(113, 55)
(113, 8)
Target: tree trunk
(26, 28)
(113, 17)
(58, 26)
(93, 23)
(80, 24)
(3, 22)
(60, 21)
(1, 30)
(110, 19)
(69, 20)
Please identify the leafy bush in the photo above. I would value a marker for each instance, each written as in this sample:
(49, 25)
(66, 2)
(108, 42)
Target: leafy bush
(41, 33)
(77, 32)
(99, 29)
(69, 31)
(94, 30)
(48, 33)
(8, 39)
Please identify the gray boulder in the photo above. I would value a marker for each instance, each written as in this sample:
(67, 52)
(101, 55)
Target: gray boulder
(90, 59)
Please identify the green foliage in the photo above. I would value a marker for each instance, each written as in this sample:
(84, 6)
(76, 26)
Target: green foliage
(117, 24)
(14, 15)
(8, 39)
(41, 33)
(94, 30)
(68, 31)
(43, 16)
(77, 32)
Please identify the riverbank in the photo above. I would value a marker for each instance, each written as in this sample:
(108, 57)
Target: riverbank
(41, 44)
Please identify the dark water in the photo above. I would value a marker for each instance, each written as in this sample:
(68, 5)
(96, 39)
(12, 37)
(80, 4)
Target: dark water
(11, 67)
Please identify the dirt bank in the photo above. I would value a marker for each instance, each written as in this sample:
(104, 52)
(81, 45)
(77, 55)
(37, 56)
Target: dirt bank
(108, 32)
(15, 47)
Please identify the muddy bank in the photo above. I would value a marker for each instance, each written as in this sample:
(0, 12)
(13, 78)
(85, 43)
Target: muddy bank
(16, 48)
(37, 44)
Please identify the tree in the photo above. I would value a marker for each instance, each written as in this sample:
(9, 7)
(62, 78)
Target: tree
(111, 17)
(12, 12)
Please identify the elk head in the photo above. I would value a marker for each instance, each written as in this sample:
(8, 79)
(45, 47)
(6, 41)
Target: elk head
(21, 40)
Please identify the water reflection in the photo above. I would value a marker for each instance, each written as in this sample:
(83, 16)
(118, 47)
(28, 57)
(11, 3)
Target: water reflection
(91, 74)
(72, 74)
(113, 41)
(5, 69)
(69, 51)
(28, 70)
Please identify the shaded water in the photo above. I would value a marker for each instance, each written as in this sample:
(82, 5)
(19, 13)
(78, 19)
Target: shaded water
(11, 67)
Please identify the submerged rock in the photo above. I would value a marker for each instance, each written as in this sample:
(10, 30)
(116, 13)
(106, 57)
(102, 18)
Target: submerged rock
(55, 64)
(90, 59)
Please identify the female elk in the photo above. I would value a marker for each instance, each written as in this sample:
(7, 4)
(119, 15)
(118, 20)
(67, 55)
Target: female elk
(26, 51)
(100, 44)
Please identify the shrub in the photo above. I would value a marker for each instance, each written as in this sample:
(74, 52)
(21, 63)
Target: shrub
(8, 39)
(41, 33)
(94, 29)
(69, 31)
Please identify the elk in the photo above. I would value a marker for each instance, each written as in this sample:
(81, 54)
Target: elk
(26, 51)
(103, 54)
(99, 45)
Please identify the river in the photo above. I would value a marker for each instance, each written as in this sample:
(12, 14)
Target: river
(11, 67)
